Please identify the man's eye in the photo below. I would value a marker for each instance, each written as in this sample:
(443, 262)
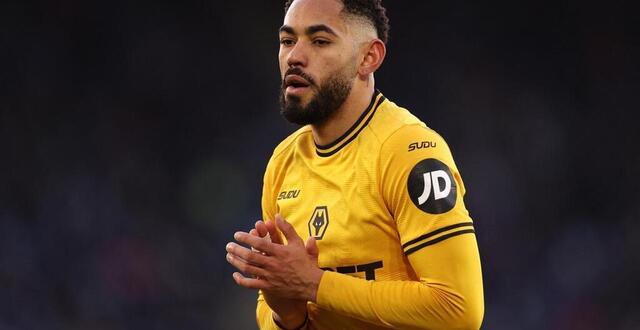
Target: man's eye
(286, 42)
(321, 42)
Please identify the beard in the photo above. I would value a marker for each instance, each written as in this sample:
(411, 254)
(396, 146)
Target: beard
(325, 102)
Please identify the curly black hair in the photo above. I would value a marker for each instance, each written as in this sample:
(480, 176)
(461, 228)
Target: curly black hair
(372, 10)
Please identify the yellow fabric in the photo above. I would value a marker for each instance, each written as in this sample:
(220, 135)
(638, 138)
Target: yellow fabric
(391, 263)
(264, 316)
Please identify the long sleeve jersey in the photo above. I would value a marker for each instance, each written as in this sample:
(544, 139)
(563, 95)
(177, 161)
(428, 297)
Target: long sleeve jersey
(385, 204)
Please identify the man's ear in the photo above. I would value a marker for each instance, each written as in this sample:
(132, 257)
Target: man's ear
(373, 57)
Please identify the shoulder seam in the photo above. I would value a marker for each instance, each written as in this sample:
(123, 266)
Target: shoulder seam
(379, 169)
(401, 127)
(382, 143)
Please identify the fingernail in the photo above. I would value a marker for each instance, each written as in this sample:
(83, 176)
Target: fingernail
(229, 246)
(229, 257)
(236, 235)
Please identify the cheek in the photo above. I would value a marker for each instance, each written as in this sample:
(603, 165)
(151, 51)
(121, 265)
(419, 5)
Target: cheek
(326, 64)
(340, 64)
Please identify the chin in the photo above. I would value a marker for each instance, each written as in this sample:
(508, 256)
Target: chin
(300, 99)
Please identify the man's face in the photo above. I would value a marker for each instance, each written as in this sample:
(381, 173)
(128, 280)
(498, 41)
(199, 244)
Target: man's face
(317, 60)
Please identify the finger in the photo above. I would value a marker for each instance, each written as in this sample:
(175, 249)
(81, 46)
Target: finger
(261, 228)
(253, 232)
(250, 283)
(312, 247)
(273, 232)
(250, 256)
(256, 242)
(288, 231)
(245, 267)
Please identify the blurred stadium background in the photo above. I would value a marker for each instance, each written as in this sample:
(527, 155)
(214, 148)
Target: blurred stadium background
(133, 136)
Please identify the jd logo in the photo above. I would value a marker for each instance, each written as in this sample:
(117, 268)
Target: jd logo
(319, 222)
(432, 182)
(431, 187)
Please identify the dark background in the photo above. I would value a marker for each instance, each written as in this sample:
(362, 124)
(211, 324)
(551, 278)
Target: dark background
(133, 136)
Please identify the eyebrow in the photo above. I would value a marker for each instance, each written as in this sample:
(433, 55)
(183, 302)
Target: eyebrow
(313, 29)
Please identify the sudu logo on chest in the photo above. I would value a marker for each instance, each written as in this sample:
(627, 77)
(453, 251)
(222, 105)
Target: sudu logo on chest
(291, 194)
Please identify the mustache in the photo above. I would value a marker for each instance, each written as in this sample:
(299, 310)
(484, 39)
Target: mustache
(298, 72)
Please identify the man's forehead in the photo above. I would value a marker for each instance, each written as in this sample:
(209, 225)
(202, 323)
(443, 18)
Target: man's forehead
(304, 13)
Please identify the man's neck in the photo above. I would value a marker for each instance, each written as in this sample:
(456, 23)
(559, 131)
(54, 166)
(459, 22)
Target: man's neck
(355, 104)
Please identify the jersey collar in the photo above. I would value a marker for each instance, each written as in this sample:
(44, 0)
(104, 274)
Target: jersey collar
(335, 146)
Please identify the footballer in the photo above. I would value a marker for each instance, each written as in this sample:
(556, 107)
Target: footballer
(365, 225)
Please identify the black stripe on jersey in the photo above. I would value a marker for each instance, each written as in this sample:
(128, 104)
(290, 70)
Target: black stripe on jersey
(346, 269)
(438, 240)
(375, 107)
(343, 136)
(436, 232)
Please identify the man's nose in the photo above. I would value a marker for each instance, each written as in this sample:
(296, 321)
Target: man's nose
(297, 56)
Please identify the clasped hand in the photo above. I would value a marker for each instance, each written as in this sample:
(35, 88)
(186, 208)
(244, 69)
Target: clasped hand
(283, 270)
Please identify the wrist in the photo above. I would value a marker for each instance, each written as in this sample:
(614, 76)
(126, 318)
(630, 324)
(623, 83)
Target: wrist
(315, 285)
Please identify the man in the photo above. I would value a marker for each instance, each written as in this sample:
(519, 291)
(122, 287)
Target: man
(390, 242)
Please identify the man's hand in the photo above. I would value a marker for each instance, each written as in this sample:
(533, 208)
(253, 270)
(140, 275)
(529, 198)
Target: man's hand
(286, 271)
(288, 313)
(289, 306)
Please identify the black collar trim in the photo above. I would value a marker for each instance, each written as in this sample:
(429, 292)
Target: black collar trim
(362, 122)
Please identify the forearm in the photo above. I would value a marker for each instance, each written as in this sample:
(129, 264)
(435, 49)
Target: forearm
(401, 304)
(449, 294)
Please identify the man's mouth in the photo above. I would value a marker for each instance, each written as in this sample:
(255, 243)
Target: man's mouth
(295, 84)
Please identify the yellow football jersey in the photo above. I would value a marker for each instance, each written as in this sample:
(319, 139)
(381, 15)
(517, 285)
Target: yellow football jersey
(385, 204)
